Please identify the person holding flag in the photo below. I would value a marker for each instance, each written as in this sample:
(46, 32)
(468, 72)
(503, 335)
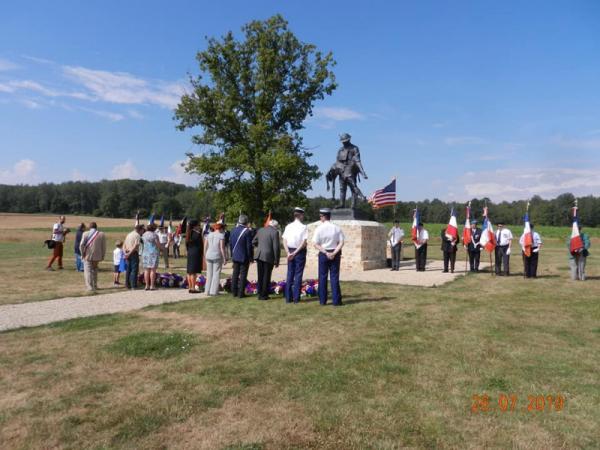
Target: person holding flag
(531, 243)
(450, 240)
(503, 249)
(578, 245)
(488, 239)
(472, 244)
(419, 236)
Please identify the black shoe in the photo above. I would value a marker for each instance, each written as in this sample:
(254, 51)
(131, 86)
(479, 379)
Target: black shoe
(444, 271)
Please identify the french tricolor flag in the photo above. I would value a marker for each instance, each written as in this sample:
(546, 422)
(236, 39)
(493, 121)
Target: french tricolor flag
(527, 236)
(413, 231)
(488, 240)
(576, 241)
(467, 229)
(452, 228)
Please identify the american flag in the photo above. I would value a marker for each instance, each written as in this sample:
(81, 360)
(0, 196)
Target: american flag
(384, 197)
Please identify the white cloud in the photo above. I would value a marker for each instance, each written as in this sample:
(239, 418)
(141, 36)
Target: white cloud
(124, 88)
(112, 116)
(6, 65)
(30, 104)
(179, 175)
(125, 170)
(515, 184)
(77, 175)
(337, 113)
(22, 172)
(135, 114)
(464, 140)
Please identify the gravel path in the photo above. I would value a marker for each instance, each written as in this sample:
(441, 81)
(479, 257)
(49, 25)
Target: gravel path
(42, 313)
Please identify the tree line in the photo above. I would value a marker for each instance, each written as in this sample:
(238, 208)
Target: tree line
(107, 198)
(123, 198)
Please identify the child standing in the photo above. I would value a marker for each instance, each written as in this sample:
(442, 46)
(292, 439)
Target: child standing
(118, 262)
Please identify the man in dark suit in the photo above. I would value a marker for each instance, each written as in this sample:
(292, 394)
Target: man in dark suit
(267, 256)
(241, 254)
(473, 247)
(449, 248)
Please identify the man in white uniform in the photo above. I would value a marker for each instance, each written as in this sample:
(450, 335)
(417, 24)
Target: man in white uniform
(395, 236)
(329, 240)
(421, 247)
(295, 236)
(503, 245)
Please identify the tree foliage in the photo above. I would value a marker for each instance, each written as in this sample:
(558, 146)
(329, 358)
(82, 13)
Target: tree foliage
(249, 102)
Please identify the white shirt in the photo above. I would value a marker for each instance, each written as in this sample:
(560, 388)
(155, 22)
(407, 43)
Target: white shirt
(535, 237)
(162, 237)
(58, 232)
(328, 235)
(396, 234)
(422, 236)
(295, 234)
(503, 237)
(117, 254)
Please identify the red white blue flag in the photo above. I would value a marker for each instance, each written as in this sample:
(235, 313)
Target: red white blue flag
(488, 240)
(527, 236)
(414, 232)
(384, 197)
(576, 244)
(452, 228)
(466, 237)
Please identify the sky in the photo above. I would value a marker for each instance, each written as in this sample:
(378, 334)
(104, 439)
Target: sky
(456, 99)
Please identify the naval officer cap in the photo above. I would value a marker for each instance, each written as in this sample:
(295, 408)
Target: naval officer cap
(297, 209)
(325, 211)
(345, 137)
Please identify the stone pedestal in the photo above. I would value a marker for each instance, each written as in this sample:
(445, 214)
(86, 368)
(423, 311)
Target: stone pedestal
(364, 248)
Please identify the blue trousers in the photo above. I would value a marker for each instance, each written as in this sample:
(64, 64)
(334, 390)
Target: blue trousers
(293, 282)
(131, 272)
(78, 262)
(330, 267)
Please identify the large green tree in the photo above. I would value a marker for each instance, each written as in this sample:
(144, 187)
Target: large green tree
(249, 103)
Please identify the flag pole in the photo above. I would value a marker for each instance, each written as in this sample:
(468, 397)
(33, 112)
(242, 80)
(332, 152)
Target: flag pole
(465, 244)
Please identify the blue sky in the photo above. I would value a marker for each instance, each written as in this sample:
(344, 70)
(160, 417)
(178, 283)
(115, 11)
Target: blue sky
(457, 99)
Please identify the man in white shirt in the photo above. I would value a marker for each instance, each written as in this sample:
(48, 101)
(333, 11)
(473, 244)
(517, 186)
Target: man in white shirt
(530, 263)
(329, 240)
(503, 246)
(163, 243)
(421, 247)
(295, 236)
(395, 237)
(58, 237)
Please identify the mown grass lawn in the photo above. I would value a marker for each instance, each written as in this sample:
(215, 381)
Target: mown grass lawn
(396, 367)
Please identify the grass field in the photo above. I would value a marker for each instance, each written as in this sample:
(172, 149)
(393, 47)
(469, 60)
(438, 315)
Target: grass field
(396, 367)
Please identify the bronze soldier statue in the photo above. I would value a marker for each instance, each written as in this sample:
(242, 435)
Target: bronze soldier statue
(349, 168)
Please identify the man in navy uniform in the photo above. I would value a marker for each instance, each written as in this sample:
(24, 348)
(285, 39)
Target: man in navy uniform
(329, 240)
(473, 247)
(294, 241)
(241, 255)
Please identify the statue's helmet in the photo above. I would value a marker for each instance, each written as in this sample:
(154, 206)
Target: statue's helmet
(345, 137)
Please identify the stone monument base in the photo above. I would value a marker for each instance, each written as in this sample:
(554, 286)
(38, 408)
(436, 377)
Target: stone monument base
(364, 248)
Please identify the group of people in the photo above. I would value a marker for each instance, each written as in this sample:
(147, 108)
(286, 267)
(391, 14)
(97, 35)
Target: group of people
(209, 248)
(502, 250)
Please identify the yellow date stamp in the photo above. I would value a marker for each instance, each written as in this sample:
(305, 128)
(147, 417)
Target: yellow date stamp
(484, 403)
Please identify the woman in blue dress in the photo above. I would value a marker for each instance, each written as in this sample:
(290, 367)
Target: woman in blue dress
(150, 256)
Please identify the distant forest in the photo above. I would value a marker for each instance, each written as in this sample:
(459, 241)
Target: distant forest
(123, 198)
